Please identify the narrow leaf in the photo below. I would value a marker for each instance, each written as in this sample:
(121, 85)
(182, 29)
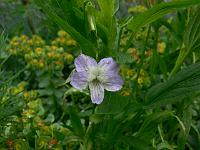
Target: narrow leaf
(157, 12)
(87, 46)
(184, 83)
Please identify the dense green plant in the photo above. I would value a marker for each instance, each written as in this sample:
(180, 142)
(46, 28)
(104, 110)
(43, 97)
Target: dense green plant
(156, 46)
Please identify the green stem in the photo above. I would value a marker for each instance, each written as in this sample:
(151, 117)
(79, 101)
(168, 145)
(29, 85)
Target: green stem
(142, 57)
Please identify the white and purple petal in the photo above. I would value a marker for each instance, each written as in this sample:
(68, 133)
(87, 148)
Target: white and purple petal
(108, 64)
(83, 63)
(79, 80)
(112, 81)
(96, 92)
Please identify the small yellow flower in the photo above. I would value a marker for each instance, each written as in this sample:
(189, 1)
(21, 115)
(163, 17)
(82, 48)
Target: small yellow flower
(26, 95)
(62, 40)
(148, 53)
(57, 55)
(50, 54)
(46, 129)
(129, 73)
(71, 42)
(29, 113)
(23, 38)
(34, 62)
(58, 62)
(142, 72)
(140, 80)
(54, 48)
(134, 53)
(41, 63)
(38, 50)
(68, 57)
(161, 47)
(16, 91)
(13, 52)
(62, 33)
(21, 86)
(17, 146)
(33, 94)
(15, 43)
(40, 124)
(30, 42)
(125, 92)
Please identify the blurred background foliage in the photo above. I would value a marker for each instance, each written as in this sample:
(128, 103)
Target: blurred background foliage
(156, 44)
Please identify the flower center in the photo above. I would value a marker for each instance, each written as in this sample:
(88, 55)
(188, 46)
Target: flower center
(95, 73)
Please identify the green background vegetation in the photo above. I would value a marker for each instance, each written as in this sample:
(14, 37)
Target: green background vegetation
(156, 44)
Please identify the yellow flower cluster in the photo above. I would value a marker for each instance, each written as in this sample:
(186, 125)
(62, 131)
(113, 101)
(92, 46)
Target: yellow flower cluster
(64, 39)
(17, 89)
(23, 44)
(30, 95)
(32, 108)
(143, 79)
(141, 35)
(129, 75)
(134, 53)
(48, 56)
(126, 92)
(40, 55)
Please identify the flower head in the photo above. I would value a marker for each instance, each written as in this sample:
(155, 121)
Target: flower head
(98, 76)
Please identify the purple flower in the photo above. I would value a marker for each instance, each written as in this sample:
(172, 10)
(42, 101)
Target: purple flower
(98, 76)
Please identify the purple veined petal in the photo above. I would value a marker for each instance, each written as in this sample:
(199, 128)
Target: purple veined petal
(108, 64)
(113, 81)
(83, 62)
(96, 92)
(79, 80)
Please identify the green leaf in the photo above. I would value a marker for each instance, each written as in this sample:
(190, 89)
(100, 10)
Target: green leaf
(45, 92)
(136, 143)
(185, 83)
(108, 8)
(76, 122)
(187, 121)
(44, 81)
(123, 57)
(113, 103)
(50, 118)
(87, 46)
(10, 107)
(157, 12)
(165, 145)
(191, 40)
(22, 144)
(106, 18)
(150, 124)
